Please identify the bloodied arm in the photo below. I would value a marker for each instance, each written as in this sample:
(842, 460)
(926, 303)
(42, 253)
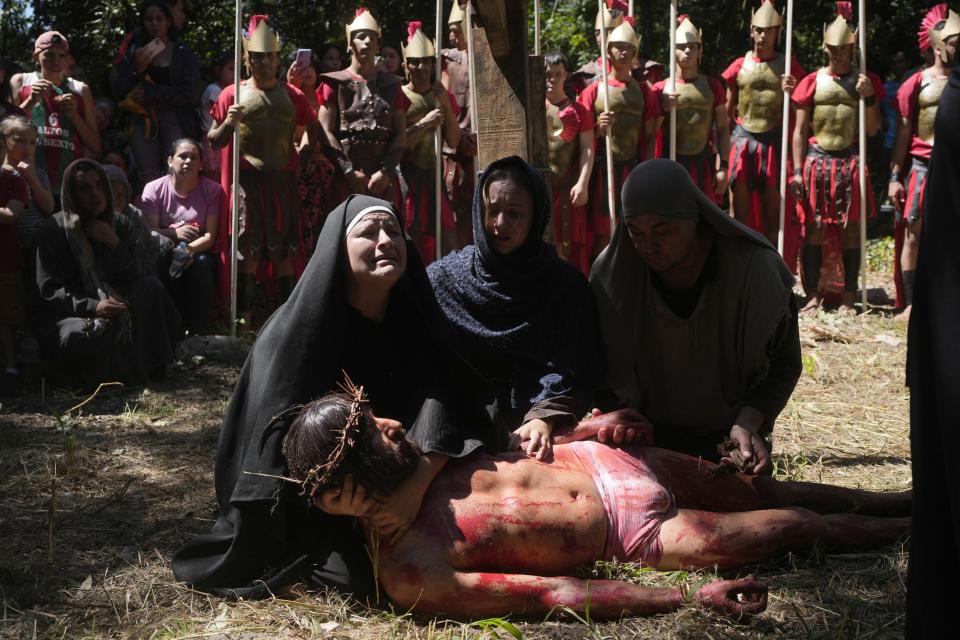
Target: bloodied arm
(444, 590)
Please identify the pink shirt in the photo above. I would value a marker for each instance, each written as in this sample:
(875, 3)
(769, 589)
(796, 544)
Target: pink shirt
(160, 198)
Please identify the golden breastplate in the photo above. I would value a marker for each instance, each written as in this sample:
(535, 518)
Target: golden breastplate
(422, 154)
(759, 93)
(694, 116)
(561, 153)
(929, 99)
(266, 133)
(628, 104)
(835, 116)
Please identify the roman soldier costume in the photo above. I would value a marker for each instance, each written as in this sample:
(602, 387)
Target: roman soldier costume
(757, 114)
(634, 104)
(917, 102)
(459, 166)
(697, 101)
(830, 170)
(270, 203)
(420, 160)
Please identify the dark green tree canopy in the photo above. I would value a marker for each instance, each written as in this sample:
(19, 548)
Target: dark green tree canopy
(96, 28)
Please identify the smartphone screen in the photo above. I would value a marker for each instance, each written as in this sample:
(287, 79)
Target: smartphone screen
(303, 58)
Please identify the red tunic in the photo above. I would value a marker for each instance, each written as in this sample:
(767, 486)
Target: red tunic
(908, 105)
(576, 119)
(304, 115)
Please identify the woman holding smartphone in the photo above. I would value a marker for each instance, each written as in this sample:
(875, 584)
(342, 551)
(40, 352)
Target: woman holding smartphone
(157, 81)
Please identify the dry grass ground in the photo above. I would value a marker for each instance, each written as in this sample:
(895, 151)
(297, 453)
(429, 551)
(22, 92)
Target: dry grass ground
(93, 503)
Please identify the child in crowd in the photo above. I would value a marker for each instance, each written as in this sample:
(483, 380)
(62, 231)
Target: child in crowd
(60, 108)
(17, 178)
(223, 69)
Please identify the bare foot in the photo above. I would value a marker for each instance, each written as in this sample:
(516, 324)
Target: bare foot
(904, 316)
(812, 305)
(847, 301)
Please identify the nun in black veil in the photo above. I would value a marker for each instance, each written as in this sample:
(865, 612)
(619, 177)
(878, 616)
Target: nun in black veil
(364, 306)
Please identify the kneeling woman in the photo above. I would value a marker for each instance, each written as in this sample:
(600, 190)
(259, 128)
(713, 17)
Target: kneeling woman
(524, 320)
(699, 319)
(363, 308)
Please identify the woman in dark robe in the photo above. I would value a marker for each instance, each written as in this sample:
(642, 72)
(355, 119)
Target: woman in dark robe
(699, 320)
(93, 311)
(933, 371)
(523, 319)
(363, 308)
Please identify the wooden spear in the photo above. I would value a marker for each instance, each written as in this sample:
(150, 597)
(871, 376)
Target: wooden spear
(785, 133)
(235, 171)
(438, 137)
(862, 161)
(472, 70)
(536, 27)
(673, 77)
(611, 180)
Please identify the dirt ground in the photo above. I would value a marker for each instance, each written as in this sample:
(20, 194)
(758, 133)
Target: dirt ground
(94, 500)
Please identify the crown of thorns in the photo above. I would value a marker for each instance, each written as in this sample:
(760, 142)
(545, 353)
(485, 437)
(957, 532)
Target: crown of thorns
(320, 474)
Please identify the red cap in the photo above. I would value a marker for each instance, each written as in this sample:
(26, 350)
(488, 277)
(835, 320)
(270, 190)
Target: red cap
(48, 39)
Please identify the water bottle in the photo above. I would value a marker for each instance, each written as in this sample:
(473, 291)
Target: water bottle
(181, 258)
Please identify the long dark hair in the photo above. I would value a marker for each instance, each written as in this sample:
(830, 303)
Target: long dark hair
(142, 37)
(316, 436)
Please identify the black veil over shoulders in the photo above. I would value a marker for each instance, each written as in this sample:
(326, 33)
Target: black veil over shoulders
(933, 375)
(264, 533)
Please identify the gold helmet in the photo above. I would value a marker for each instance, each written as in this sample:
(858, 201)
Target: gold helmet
(362, 21)
(766, 16)
(608, 19)
(624, 33)
(262, 39)
(939, 36)
(456, 13)
(418, 44)
(687, 33)
(838, 33)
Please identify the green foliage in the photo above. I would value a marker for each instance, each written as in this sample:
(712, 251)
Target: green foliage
(96, 28)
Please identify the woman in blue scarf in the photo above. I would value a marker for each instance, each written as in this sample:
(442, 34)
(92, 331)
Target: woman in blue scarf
(524, 320)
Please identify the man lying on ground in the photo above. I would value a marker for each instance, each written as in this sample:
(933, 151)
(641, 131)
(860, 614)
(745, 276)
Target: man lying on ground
(503, 534)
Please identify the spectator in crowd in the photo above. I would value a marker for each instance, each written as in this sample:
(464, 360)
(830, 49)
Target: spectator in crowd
(157, 80)
(331, 59)
(111, 137)
(18, 140)
(150, 244)
(118, 159)
(60, 107)
(93, 313)
(7, 108)
(223, 69)
(185, 207)
(389, 61)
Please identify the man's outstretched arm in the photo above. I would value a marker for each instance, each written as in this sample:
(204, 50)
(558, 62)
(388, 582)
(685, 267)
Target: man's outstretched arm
(468, 595)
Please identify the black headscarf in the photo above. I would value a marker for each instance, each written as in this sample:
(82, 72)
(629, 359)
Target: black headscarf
(933, 372)
(529, 304)
(296, 357)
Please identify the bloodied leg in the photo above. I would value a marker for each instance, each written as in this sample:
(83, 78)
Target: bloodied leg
(697, 539)
(698, 484)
